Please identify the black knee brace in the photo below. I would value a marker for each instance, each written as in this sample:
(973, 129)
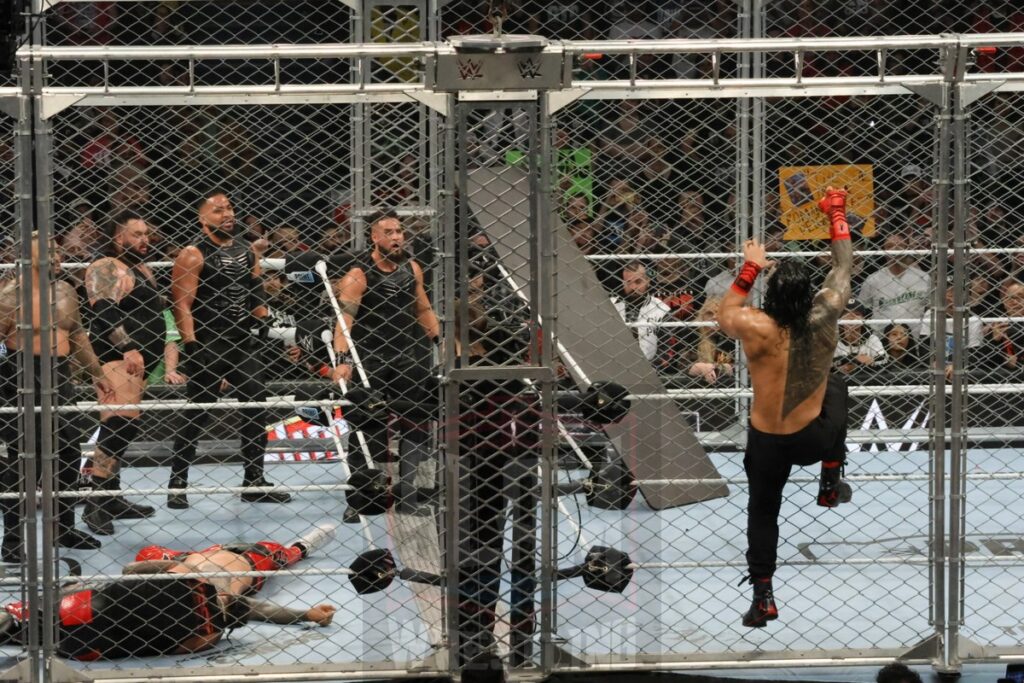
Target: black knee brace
(116, 434)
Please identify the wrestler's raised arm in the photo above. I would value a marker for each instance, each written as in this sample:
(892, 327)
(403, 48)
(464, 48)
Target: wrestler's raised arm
(836, 291)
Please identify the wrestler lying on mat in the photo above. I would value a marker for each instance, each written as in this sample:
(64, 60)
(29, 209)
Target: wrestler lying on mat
(162, 616)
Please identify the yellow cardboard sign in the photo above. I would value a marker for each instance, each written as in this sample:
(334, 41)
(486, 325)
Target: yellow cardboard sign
(800, 188)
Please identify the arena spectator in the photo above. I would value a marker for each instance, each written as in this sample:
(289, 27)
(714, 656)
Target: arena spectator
(110, 144)
(974, 334)
(1006, 339)
(674, 286)
(618, 203)
(897, 673)
(701, 26)
(636, 22)
(84, 23)
(899, 290)
(715, 350)
(565, 20)
(902, 349)
(334, 239)
(691, 229)
(642, 235)
(285, 239)
(638, 305)
(657, 182)
(622, 142)
(164, 28)
(719, 283)
(858, 346)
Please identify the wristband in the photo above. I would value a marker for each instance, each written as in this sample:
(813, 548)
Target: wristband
(345, 358)
(324, 370)
(744, 282)
(840, 229)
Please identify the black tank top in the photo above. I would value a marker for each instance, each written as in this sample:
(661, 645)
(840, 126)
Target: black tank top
(224, 301)
(144, 315)
(386, 324)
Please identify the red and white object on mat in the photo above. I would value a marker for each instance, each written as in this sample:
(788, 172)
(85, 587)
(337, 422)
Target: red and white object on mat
(296, 427)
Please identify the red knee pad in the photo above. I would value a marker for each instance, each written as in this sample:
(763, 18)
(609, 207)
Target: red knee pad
(157, 552)
(280, 556)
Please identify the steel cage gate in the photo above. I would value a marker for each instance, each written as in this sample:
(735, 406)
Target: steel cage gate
(952, 94)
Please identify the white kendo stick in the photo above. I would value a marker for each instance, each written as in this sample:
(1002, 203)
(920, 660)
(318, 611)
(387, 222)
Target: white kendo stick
(328, 339)
(321, 269)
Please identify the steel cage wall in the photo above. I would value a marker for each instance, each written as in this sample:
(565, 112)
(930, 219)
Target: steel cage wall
(951, 92)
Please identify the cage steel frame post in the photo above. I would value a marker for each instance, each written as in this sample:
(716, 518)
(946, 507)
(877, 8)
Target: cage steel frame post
(964, 94)
(943, 662)
(19, 105)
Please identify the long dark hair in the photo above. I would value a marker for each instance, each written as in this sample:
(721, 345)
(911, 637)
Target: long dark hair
(788, 296)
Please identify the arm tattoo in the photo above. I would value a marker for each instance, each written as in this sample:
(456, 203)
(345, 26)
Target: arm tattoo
(8, 309)
(149, 567)
(68, 319)
(262, 610)
(104, 280)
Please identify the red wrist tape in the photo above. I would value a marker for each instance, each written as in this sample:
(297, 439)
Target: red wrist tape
(840, 229)
(324, 370)
(744, 282)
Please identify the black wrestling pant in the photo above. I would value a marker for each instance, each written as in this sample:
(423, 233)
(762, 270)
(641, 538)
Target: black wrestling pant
(768, 460)
(66, 446)
(498, 456)
(403, 378)
(240, 361)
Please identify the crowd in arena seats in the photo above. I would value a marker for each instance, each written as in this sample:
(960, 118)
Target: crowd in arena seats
(636, 178)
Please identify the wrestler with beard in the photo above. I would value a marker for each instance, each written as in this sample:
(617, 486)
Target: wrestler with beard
(217, 303)
(387, 311)
(129, 334)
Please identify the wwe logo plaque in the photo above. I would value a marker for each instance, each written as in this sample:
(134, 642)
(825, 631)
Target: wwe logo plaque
(529, 69)
(470, 70)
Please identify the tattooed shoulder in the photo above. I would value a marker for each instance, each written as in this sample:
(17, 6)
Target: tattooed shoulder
(65, 300)
(106, 279)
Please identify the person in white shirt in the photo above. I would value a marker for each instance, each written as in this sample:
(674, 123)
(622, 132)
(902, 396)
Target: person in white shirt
(899, 291)
(719, 283)
(637, 305)
(858, 346)
(974, 337)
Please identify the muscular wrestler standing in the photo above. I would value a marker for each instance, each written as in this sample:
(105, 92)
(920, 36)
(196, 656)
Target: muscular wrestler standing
(69, 340)
(798, 416)
(215, 291)
(128, 331)
(385, 306)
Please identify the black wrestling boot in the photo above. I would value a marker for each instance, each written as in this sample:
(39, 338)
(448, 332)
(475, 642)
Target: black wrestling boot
(97, 514)
(177, 501)
(263, 496)
(762, 607)
(350, 516)
(121, 508)
(832, 490)
(77, 540)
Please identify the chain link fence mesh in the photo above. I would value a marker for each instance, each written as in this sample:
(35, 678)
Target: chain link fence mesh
(993, 294)
(133, 188)
(649, 192)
